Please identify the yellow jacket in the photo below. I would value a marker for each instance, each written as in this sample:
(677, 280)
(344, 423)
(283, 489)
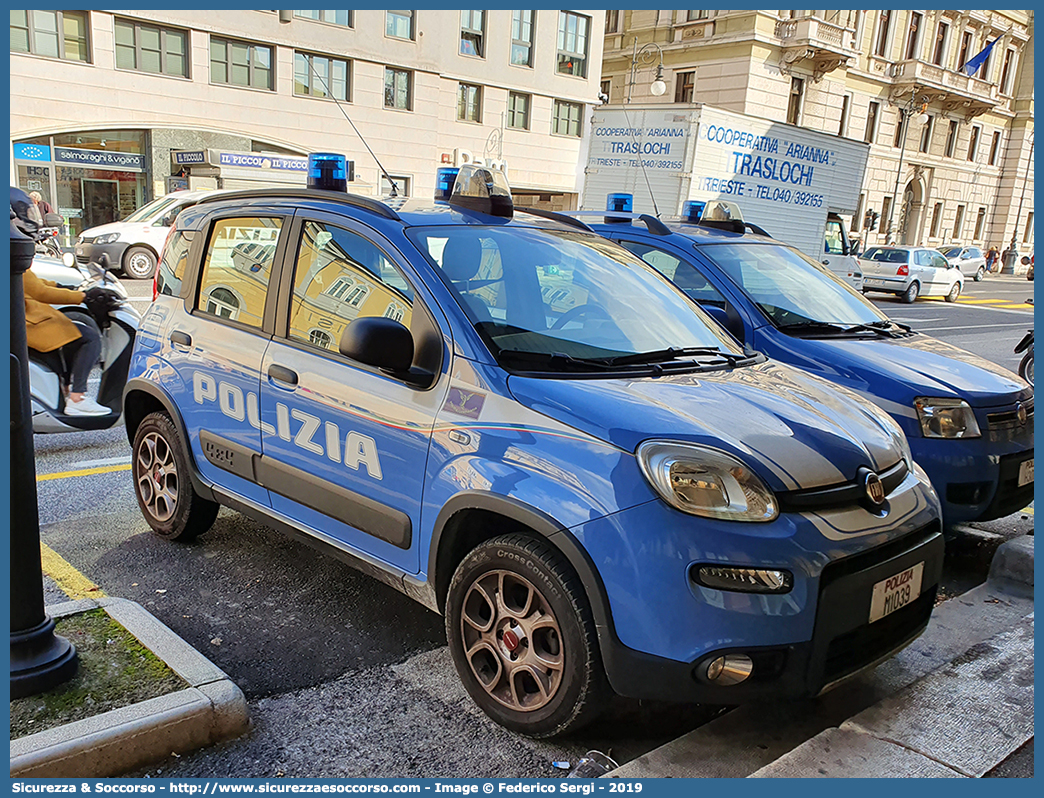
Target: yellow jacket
(47, 328)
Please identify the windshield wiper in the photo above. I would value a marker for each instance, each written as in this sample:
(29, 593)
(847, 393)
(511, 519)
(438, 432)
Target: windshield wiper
(556, 359)
(673, 353)
(877, 327)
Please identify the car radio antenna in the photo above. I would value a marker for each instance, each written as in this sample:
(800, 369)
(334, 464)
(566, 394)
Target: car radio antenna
(391, 181)
(641, 163)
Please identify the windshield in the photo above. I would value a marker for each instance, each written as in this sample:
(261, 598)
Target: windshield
(546, 295)
(953, 252)
(146, 212)
(789, 287)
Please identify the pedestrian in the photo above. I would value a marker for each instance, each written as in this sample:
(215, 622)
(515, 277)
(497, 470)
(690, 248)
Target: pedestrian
(50, 330)
(991, 257)
(42, 205)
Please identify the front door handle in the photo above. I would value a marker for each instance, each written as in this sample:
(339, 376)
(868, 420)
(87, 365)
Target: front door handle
(181, 338)
(282, 374)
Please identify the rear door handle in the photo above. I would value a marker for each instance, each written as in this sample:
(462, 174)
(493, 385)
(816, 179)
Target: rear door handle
(282, 374)
(181, 338)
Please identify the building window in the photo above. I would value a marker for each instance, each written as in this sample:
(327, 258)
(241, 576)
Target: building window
(973, 143)
(900, 130)
(936, 220)
(871, 122)
(402, 186)
(958, 223)
(54, 34)
(1006, 72)
(566, 120)
(399, 24)
(240, 64)
(913, 35)
(518, 110)
(319, 76)
(522, 38)
(886, 207)
(472, 29)
(148, 48)
(984, 74)
(951, 138)
(684, 87)
(572, 43)
(884, 20)
(995, 147)
(319, 338)
(926, 134)
(965, 54)
(612, 20)
(398, 89)
(942, 32)
(980, 221)
(604, 88)
(797, 89)
(692, 16)
(469, 103)
(842, 126)
(342, 18)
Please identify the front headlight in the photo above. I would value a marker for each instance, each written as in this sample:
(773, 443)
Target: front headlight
(704, 481)
(108, 238)
(946, 418)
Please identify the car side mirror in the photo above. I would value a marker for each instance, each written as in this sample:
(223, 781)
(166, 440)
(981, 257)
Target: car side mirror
(168, 220)
(384, 344)
(722, 317)
(53, 220)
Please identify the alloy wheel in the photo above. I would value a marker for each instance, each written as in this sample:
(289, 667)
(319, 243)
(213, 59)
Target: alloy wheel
(156, 473)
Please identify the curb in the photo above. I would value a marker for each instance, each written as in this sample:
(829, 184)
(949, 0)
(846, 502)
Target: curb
(907, 717)
(210, 710)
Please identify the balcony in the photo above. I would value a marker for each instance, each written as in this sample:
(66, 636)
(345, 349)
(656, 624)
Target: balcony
(958, 94)
(816, 44)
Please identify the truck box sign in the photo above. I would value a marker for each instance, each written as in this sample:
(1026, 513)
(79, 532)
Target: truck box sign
(778, 174)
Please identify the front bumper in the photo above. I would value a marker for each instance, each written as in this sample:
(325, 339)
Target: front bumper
(87, 252)
(843, 641)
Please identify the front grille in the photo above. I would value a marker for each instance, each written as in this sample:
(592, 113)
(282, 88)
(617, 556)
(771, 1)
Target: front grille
(84, 240)
(1009, 419)
(867, 643)
(841, 495)
(847, 566)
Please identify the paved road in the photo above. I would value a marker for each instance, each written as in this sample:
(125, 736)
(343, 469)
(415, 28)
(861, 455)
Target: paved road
(346, 676)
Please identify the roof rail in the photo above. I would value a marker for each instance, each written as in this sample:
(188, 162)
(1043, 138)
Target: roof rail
(309, 193)
(558, 217)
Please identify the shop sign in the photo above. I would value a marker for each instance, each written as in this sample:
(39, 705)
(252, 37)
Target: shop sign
(32, 152)
(124, 161)
(258, 161)
(189, 157)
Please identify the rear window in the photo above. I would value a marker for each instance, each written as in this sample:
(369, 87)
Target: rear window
(886, 255)
(172, 267)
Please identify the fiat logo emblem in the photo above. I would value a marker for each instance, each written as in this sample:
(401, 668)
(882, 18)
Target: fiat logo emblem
(874, 489)
(1020, 413)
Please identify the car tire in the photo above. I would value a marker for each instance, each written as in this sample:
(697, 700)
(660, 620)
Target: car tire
(139, 263)
(162, 484)
(910, 294)
(980, 274)
(954, 293)
(521, 586)
(1026, 367)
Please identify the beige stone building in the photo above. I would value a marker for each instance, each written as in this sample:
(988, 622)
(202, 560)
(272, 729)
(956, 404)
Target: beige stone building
(961, 167)
(110, 109)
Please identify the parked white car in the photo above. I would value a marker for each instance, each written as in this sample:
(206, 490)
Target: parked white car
(910, 272)
(134, 244)
(970, 260)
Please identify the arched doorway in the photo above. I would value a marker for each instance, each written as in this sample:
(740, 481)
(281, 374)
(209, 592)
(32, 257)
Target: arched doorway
(911, 212)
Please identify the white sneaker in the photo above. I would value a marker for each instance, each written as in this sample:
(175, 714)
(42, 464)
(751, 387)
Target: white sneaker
(85, 407)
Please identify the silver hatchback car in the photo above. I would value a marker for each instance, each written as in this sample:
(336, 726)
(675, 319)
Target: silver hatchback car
(970, 260)
(910, 272)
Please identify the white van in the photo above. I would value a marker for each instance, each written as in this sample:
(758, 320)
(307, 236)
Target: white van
(133, 245)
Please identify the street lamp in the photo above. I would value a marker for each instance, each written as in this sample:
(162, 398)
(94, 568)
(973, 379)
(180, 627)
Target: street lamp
(645, 55)
(1013, 247)
(915, 103)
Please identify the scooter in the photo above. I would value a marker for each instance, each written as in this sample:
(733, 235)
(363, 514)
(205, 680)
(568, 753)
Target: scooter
(1026, 345)
(47, 236)
(117, 326)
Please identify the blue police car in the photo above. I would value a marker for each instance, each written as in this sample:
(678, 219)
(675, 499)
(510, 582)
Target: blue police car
(522, 426)
(969, 422)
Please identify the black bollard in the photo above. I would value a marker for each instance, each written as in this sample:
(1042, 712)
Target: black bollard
(40, 659)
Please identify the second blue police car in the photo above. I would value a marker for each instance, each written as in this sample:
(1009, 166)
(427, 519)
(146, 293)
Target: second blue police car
(969, 422)
(524, 427)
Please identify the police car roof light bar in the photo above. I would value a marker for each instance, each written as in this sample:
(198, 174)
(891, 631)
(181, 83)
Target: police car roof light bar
(328, 171)
(444, 180)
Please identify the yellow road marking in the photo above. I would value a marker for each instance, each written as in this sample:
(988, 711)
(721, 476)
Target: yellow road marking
(74, 584)
(1014, 307)
(980, 301)
(85, 472)
(1027, 510)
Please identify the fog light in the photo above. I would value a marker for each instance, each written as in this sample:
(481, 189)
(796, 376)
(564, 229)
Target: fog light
(743, 580)
(730, 669)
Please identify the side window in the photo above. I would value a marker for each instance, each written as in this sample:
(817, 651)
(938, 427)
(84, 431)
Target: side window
(833, 240)
(340, 276)
(683, 274)
(939, 261)
(974, 252)
(172, 268)
(923, 258)
(237, 269)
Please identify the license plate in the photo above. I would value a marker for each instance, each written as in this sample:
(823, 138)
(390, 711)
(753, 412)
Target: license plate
(896, 592)
(1025, 473)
